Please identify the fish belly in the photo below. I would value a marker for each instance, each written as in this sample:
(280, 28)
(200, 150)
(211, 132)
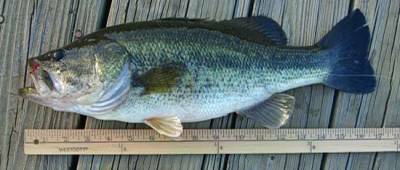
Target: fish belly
(198, 108)
(204, 109)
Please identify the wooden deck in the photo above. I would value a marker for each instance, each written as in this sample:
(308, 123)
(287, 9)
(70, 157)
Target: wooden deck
(32, 27)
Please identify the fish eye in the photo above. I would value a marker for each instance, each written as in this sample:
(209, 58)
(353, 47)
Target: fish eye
(58, 55)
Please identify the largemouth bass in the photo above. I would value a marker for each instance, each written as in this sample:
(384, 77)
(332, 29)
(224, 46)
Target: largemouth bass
(169, 71)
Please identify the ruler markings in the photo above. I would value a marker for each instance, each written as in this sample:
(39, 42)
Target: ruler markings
(177, 141)
(212, 141)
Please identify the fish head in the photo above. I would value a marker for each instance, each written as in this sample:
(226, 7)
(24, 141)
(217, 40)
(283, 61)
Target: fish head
(73, 74)
(64, 77)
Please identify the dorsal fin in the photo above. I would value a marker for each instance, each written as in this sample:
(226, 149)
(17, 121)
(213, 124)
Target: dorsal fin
(258, 29)
(252, 27)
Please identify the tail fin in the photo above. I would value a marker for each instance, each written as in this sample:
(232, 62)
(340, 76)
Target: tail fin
(348, 44)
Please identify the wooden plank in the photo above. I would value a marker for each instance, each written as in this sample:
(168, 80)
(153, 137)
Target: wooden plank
(392, 117)
(16, 19)
(304, 22)
(141, 10)
(378, 109)
(31, 28)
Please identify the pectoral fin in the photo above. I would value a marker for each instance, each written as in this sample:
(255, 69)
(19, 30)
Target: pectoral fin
(272, 113)
(168, 126)
(161, 79)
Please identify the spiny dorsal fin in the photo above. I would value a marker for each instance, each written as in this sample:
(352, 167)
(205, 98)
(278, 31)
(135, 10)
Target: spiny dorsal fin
(168, 126)
(161, 79)
(258, 29)
(272, 113)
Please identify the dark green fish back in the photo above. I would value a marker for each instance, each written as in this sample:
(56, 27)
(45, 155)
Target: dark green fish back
(258, 29)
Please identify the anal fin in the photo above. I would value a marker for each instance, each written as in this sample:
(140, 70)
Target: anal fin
(273, 112)
(168, 126)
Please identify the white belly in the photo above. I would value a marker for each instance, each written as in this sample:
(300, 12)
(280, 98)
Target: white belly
(198, 109)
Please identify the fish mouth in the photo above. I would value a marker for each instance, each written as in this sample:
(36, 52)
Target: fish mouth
(44, 82)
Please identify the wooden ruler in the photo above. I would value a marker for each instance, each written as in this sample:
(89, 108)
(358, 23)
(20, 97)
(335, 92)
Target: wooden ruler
(211, 141)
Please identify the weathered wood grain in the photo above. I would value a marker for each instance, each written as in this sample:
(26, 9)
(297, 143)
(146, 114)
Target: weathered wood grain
(392, 115)
(13, 34)
(31, 28)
